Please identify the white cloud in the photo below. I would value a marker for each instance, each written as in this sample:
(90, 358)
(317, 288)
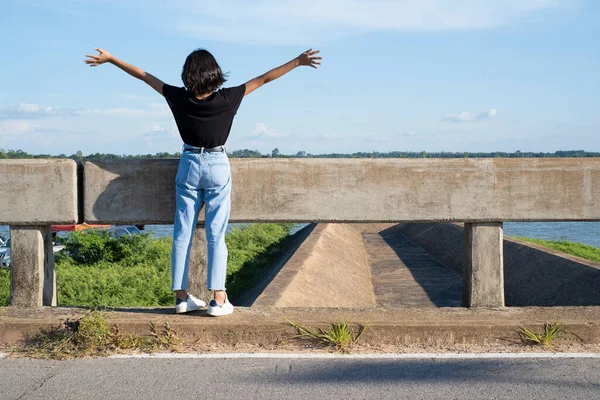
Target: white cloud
(466, 116)
(303, 21)
(263, 130)
(32, 110)
(154, 110)
(13, 127)
(487, 114)
(329, 136)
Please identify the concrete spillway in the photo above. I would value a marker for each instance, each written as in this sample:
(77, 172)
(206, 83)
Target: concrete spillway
(413, 265)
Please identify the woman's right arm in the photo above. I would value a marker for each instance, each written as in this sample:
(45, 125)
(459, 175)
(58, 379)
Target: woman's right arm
(308, 58)
(105, 56)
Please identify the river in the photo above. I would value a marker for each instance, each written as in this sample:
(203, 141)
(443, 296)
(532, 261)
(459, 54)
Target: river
(583, 232)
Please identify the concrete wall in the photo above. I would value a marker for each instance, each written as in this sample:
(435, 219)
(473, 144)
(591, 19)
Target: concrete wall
(533, 275)
(359, 190)
(38, 192)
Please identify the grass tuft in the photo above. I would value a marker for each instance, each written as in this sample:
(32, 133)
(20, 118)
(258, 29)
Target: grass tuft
(550, 332)
(338, 335)
(92, 336)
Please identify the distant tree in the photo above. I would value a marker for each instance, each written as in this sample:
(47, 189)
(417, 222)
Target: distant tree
(275, 152)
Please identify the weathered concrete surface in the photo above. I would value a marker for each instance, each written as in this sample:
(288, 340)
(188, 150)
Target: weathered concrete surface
(198, 266)
(32, 277)
(533, 275)
(38, 192)
(483, 269)
(365, 190)
(269, 327)
(405, 275)
(329, 268)
(248, 298)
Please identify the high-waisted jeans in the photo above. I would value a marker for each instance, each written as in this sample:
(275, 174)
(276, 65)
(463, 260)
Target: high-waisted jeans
(201, 178)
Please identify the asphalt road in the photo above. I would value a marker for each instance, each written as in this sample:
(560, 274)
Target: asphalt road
(320, 379)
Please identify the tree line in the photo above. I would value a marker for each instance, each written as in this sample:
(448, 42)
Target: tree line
(275, 153)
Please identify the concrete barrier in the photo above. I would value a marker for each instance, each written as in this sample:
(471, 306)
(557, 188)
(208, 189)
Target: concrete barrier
(359, 190)
(480, 192)
(36, 194)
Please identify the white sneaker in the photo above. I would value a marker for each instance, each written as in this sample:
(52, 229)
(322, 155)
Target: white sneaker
(218, 310)
(191, 304)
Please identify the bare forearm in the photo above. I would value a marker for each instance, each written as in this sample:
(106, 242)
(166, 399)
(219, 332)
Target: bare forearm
(130, 69)
(307, 58)
(105, 56)
(280, 71)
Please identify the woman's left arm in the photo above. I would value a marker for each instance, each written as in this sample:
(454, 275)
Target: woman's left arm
(105, 56)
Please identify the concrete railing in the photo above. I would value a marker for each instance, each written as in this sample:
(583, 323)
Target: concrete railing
(35, 194)
(481, 192)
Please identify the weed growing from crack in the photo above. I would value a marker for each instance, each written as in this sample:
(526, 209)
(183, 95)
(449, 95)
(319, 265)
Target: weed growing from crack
(338, 335)
(92, 336)
(550, 332)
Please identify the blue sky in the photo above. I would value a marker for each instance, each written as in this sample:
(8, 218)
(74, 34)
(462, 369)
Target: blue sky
(435, 75)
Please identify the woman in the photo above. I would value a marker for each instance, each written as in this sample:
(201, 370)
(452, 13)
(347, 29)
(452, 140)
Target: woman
(203, 114)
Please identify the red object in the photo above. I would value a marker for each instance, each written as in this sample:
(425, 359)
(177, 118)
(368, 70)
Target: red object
(78, 227)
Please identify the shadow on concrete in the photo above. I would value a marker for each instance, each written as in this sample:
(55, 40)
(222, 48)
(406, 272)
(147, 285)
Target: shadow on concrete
(533, 275)
(247, 297)
(120, 201)
(445, 376)
(441, 286)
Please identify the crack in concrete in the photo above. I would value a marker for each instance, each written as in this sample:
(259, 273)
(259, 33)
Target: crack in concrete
(39, 386)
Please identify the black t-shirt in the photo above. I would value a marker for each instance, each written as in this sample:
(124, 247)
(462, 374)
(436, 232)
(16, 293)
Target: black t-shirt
(206, 122)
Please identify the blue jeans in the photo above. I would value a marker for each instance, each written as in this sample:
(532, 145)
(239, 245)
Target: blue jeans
(201, 178)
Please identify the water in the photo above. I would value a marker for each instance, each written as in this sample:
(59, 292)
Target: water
(583, 232)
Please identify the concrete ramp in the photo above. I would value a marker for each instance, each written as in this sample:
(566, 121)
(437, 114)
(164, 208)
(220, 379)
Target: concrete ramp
(330, 269)
(405, 275)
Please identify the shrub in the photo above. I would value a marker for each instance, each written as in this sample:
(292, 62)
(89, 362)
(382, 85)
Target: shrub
(4, 287)
(97, 270)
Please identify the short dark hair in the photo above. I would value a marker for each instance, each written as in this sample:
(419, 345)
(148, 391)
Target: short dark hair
(201, 74)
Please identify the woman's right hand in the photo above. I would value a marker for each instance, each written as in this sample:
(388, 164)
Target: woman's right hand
(94, 61)
(309, 58)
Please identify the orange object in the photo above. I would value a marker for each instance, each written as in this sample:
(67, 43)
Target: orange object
(77, 227)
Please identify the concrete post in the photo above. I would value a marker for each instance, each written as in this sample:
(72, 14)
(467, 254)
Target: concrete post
(198, 266)
(483, 271)
(32, 276)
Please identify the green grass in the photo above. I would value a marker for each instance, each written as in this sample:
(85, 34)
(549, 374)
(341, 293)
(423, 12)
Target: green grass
(576, 249)
(549, 333)
(338, 335)
(136, 272)
(93, 336)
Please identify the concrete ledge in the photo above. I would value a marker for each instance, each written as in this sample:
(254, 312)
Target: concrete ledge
(38, 192)
(359, 190)
(269, 327)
